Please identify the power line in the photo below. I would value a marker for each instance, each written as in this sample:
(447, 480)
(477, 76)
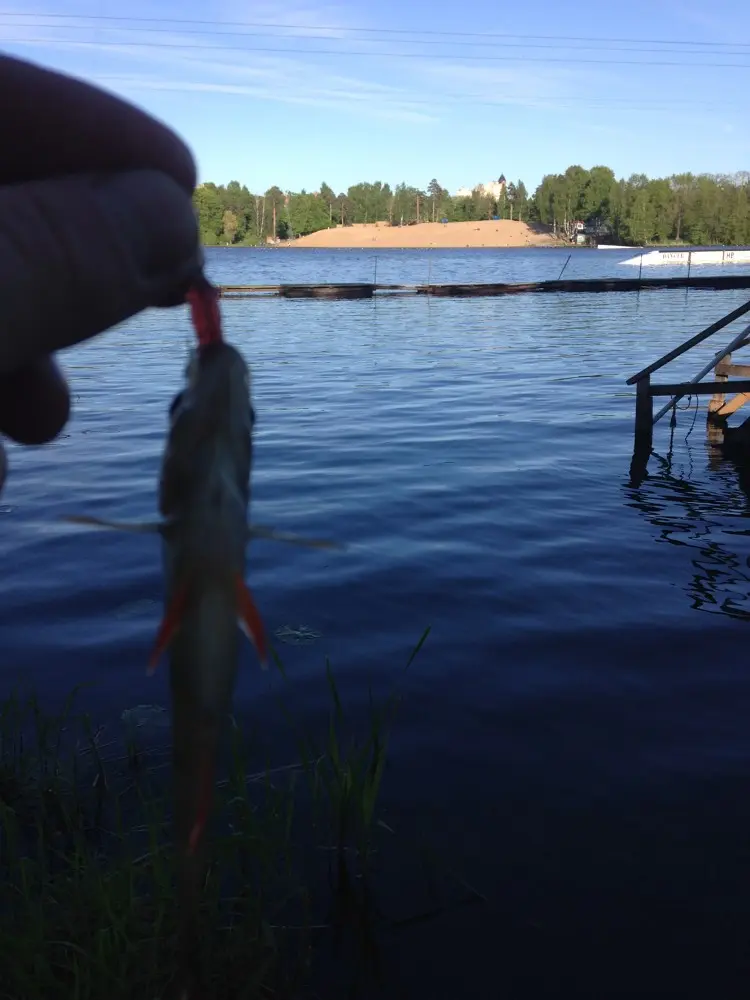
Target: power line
(378, 54)
(439, 102)
(388, 31)
(615, 47)
(442, 100)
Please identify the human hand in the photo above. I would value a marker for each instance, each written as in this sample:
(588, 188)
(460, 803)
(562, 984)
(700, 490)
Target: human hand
(96, 224)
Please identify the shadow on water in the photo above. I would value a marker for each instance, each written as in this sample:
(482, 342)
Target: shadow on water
(700, 513)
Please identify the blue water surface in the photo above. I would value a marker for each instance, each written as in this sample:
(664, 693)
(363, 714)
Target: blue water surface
(575, 734)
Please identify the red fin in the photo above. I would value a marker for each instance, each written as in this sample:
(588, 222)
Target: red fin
(169, 625)
(206, 794)
(250, 622)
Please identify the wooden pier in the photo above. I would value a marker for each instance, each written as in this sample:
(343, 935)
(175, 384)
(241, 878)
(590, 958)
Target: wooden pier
(718, 408)
(367, 290)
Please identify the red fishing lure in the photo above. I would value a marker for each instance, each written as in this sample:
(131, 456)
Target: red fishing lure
(204, 306)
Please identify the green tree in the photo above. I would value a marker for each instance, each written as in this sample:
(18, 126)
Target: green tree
(237, 199)
(521, 200)
(343, 209)
(230, 226)
(436, 194)
(597, 194)
(307, 214)
(703, 208)
(275, 201)
(329, 197)
(208, 207)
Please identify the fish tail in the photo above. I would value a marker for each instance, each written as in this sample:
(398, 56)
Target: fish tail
(195, 745)
(204, 804)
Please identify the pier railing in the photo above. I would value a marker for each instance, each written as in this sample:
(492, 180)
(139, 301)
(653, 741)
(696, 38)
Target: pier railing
(721, 364)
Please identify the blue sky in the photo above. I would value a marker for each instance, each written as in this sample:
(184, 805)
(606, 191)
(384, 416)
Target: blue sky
(397, 91)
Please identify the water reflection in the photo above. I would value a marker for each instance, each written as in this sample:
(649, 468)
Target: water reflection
(702, 504)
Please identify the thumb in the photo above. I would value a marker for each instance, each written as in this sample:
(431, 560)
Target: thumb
(80, 254)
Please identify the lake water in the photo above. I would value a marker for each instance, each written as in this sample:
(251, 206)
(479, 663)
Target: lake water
(575, 734)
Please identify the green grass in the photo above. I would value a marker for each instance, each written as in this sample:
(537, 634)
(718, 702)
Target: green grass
(87, 907)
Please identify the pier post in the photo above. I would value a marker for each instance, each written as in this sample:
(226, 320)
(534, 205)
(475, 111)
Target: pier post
(717, 400)
(644, 431)
(718, 407)
(644, 415)
(715, 423)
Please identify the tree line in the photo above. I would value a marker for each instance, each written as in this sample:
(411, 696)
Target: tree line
(685, 208)
(233, 215)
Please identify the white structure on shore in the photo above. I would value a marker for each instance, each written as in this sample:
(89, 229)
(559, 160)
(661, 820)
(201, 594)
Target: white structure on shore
(493, 189)
(690, 257)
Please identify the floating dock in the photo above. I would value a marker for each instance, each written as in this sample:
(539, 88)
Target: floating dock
(366, 290)
(689, 258)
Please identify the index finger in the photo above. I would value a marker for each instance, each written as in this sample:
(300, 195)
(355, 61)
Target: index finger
(58, 125)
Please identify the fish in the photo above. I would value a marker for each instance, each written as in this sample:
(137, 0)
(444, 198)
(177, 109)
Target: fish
(204, 495)
(204, 498)
(203, 501)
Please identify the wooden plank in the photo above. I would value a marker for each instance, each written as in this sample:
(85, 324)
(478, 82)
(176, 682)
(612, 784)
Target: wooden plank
(342, 291)
(727, 368)
(716, 402)
(727, 281)
(733, 405)
(366, 290)
(699, 388)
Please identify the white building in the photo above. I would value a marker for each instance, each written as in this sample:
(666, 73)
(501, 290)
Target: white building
(494, 189)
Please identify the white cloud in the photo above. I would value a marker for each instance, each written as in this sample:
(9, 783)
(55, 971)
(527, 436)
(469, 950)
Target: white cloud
(525, 86)
(313, 96)
(179, 61)
(306, 19)
(717, 25)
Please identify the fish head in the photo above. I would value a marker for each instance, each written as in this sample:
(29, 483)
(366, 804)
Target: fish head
(211, 419)
(216, 396)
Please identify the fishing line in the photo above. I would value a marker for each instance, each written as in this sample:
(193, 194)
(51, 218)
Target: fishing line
(672, 425)
(673, 419)
(695, 416)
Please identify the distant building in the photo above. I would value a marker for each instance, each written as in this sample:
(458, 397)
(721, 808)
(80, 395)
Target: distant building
(494, 189)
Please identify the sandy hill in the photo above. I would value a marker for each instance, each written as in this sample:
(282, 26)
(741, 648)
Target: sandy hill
(432, 234)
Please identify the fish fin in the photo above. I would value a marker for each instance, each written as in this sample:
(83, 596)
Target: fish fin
(167, 630)
(271, 535)
(140, 527)
(250, 622)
